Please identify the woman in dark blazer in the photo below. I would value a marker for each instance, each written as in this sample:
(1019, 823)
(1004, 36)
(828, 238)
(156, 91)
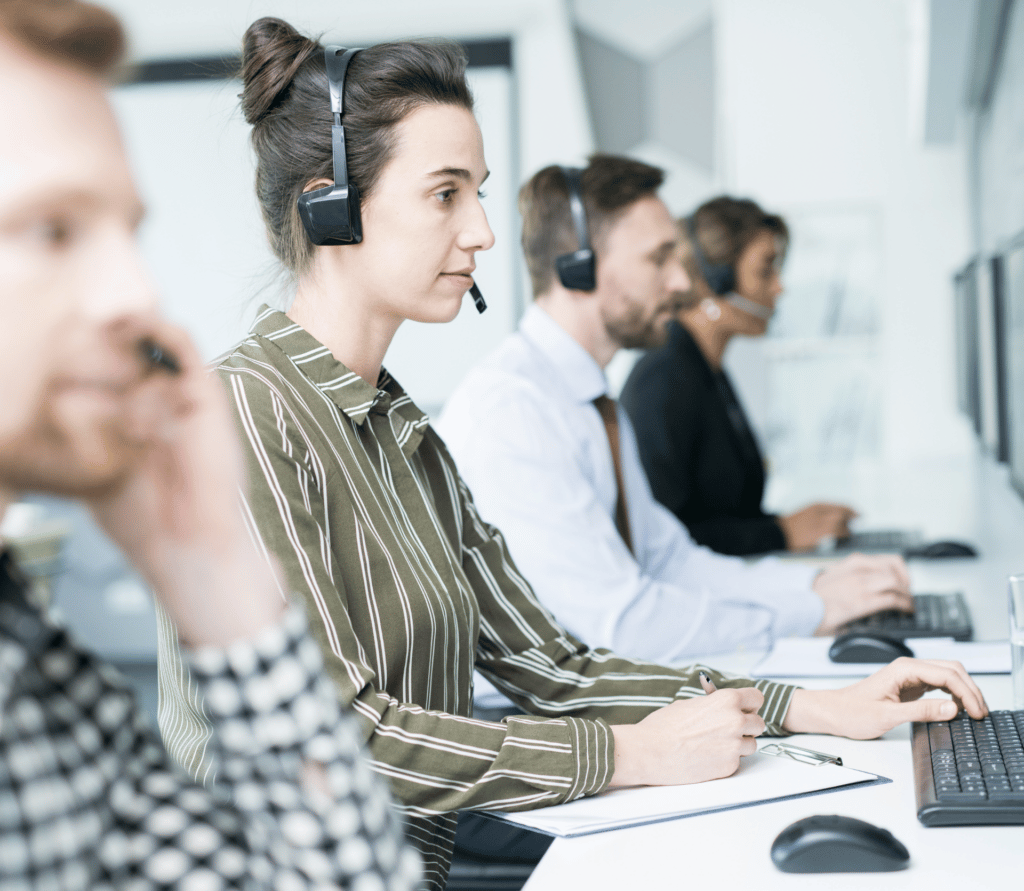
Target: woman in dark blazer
(700, 454)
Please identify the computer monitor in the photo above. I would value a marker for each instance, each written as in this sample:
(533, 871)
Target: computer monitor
(965, 290)
(991, 421)
(1013, 342)
(1002, 448)
(986, 354)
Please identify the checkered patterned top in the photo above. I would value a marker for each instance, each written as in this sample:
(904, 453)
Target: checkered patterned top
(90, 799)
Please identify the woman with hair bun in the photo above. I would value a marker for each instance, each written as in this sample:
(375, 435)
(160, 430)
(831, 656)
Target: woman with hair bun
(409, 590)
(697, 447)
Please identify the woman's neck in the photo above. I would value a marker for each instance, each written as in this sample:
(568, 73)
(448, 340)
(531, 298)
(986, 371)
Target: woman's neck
(356, 336)
(710, 338)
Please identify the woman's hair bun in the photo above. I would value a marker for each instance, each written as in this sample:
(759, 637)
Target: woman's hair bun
(272, 51)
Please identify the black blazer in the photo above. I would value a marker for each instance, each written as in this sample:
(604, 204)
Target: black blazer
(698, 450)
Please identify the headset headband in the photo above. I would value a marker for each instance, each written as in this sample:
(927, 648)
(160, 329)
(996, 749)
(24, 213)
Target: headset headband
(576, 208)
(720, 277)
(336, 68)
(577, 270)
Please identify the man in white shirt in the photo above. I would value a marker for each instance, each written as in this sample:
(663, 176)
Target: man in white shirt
(534, 434)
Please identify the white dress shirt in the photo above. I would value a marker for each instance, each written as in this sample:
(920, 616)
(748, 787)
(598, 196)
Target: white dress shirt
(533, 449)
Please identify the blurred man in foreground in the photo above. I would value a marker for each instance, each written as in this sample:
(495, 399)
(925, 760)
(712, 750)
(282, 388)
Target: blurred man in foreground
(101, 400)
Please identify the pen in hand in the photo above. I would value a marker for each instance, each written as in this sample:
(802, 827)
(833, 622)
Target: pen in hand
(707, 683)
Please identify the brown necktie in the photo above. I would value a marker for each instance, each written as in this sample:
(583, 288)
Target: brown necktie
(606, 408)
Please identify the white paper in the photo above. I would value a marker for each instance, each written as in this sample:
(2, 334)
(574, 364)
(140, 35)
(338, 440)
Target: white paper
(803, 657)
(760, 778)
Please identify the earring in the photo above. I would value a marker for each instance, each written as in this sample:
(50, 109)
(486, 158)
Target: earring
(711, 309)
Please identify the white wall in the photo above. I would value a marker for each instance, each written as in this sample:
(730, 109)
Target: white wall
(818, 111)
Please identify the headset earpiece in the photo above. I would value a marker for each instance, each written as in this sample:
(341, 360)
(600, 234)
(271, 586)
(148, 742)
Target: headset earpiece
(720, 277)
(331, 215)
(577, 271)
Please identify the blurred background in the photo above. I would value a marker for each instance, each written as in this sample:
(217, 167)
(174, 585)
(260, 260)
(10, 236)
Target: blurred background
(889, 133)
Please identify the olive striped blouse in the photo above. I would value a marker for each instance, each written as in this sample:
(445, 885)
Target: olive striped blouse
(408, 590)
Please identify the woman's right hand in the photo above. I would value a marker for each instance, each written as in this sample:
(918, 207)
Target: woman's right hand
(805, 528)
(689, 740)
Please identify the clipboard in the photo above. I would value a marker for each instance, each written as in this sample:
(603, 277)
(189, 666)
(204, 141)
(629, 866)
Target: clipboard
(777, 772)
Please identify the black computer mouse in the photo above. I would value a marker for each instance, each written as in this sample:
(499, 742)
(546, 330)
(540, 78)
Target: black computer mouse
(863, 646)
(824, 843)
(938, 550)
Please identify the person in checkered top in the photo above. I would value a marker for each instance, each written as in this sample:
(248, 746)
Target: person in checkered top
(89, 798)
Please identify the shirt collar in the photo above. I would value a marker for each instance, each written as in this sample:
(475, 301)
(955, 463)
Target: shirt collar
(346, 389)
(579, 371)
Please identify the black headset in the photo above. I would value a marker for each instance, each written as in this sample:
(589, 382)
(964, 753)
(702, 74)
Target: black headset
(720, 277)
(577, 271)
(331, 214)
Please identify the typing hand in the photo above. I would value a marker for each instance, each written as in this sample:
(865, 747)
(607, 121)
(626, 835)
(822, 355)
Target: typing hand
(859, 585)
(690, 740)
(805, 528)
(174, 509)
(891, 696)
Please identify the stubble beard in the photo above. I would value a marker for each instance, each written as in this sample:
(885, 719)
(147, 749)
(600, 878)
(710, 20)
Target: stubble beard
(633, 330)
(46, 458)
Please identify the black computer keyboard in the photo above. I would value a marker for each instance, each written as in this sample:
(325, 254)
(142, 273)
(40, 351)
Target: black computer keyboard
(935, 615)
(895, 540)
(968, 771)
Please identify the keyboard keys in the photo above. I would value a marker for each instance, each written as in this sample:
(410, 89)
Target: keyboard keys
(935, 615)
(1006, 795)
(969, 796)
(976, 769)
(978, 761)
(939, 735)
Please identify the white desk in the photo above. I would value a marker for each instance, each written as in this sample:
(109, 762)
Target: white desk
(731, 849)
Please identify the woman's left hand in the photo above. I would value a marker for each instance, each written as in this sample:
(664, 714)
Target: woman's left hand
(891, 696)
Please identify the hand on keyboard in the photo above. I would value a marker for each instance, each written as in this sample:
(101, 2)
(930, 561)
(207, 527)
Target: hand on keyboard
(805, 528)
(891, 696)
(860, 585)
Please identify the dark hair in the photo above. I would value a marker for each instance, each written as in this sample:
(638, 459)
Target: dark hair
(286, 99)
(609, 185)
(68, 31)
(724, 227)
